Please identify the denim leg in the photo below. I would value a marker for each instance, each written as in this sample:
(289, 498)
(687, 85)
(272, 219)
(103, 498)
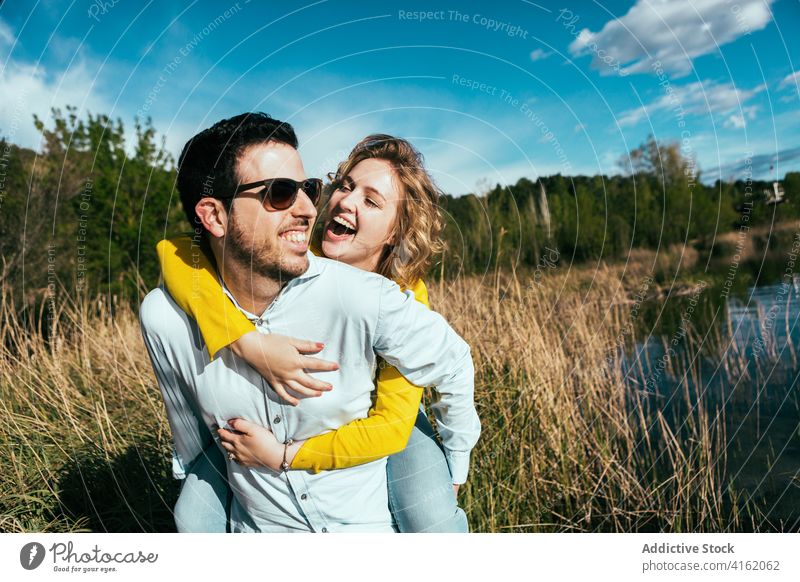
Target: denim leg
(204, 501)
(421, 493)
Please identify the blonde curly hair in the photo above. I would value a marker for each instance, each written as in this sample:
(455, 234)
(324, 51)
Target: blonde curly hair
(418, 228)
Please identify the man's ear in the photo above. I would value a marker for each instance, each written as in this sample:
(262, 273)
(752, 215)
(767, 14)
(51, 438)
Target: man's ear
(212, 215)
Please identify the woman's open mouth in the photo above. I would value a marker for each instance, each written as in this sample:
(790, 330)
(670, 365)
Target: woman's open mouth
(340, 229)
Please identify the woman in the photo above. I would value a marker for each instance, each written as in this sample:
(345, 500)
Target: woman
(383, 217)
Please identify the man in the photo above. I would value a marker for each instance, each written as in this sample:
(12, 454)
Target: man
(261, 249)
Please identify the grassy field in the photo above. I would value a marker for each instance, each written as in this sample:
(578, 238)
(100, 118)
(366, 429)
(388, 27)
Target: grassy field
(567, 446)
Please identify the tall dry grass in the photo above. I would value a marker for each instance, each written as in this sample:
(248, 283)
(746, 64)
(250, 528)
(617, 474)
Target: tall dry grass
(567, 445)
(84, 442)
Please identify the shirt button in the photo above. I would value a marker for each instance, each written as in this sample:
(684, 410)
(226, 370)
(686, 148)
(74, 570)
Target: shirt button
(304, 497)
(324, 530)
(276, 420)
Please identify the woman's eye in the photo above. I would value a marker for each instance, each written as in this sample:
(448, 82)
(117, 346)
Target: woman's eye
(371, 202)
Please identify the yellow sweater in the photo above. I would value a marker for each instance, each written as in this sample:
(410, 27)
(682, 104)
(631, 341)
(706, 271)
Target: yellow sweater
(191, 279)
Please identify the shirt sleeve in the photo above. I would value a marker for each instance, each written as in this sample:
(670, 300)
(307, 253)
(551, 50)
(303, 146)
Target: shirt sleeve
(190, 436)
(190, 278)
(428, 352)
(384, 432)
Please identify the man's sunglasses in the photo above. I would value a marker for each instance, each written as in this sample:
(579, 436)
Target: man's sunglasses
(281, 193)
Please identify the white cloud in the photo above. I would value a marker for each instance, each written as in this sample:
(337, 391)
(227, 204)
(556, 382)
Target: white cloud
(736, 121)
(739, 120)
(28, 90)
(539, 54)
(790, 80)
(673, 33)
(7, 37)
(699, 98)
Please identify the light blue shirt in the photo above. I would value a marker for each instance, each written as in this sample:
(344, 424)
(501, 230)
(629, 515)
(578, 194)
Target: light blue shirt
(357, 315)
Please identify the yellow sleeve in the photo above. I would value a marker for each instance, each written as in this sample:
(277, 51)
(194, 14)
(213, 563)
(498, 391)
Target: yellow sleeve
(384, 432)
(191, 279)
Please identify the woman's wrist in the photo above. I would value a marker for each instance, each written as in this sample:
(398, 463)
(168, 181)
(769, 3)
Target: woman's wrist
(277, 453)
(289, 452)
(238, 347)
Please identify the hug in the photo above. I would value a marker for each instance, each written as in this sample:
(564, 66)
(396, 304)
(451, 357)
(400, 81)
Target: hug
(292, 360)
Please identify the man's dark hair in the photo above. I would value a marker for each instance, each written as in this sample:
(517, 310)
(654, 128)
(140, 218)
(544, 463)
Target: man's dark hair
(208, 162)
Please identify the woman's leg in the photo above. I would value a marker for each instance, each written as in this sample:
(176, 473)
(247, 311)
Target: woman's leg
(204, 501)
(421, 493)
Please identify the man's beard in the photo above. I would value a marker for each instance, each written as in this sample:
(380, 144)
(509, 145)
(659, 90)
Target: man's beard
(257, 260)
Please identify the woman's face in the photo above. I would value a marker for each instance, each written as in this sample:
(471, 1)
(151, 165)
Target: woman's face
(361, 215)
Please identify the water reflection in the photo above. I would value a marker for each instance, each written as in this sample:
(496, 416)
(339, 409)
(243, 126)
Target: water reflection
(736, 361)
(765, 327)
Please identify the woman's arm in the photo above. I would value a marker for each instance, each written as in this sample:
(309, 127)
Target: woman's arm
(384, 432)
(191, 279)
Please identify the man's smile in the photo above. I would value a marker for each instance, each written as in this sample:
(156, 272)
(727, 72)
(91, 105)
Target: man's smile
(296, 236)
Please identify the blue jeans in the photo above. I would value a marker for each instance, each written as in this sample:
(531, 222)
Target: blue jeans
(421, 495)
(204, 502)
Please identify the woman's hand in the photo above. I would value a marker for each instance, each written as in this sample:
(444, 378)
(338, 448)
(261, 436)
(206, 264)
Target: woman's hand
(283, 362)
(252, 445)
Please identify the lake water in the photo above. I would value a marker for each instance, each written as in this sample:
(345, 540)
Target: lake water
(737, 356)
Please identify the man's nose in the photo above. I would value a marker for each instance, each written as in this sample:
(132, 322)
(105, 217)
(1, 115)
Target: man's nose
(303, 207)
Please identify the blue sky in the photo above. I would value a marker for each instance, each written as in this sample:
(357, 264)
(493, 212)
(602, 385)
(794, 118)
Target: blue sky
(489, 92)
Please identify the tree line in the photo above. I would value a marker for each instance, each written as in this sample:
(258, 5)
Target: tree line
(659, 202)
(84, 213)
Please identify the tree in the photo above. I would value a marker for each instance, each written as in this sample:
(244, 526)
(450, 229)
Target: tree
(662, 160)
(85, 213)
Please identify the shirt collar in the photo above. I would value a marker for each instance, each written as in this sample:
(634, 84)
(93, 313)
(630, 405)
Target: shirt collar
(313, 267)
(312, 271)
